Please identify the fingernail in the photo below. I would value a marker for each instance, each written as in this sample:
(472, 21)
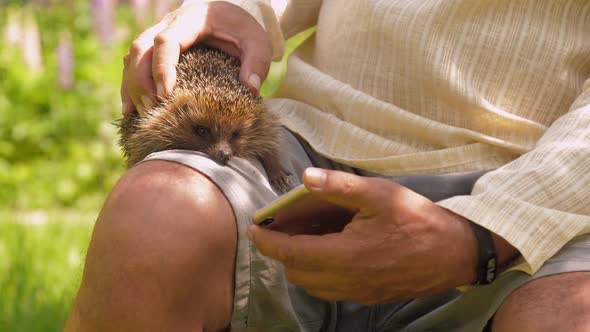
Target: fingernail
(255, 82)
(315, 177)
(147, 102)
(160, 89)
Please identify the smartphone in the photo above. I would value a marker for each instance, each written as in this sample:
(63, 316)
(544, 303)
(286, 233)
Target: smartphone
(299, 212)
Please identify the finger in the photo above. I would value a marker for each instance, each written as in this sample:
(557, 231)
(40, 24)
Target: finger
(138, 104)
(306, 252)
(136, 101)
(349, 190)
(255, 63)
(127, 104)
(184, 31)
(137, 71)
(145, 90)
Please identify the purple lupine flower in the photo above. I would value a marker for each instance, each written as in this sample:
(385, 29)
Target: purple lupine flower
(65, 61)
(103, 12)
(13, 31)
(31, 44)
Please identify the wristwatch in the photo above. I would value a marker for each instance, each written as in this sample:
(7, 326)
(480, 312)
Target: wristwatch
(487, 261)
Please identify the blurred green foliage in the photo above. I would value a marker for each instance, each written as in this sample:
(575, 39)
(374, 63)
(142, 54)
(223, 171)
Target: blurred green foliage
(58, 159)
(57, 145)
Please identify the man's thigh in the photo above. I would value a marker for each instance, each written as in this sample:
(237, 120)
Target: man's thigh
(559, 302)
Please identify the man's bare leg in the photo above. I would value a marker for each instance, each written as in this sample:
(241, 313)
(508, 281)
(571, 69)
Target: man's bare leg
(161, 256)
(554, 303)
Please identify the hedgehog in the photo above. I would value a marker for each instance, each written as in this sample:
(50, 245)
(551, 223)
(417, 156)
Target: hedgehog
(209, 111)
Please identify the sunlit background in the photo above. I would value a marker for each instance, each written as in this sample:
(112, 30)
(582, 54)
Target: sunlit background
(60, 71)
(60, 68)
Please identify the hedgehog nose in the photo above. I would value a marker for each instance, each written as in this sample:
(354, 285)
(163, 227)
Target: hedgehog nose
(223, 155)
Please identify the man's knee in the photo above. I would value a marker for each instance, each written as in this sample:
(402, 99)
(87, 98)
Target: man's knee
(169, 206)
(163, 246)
(554, 303)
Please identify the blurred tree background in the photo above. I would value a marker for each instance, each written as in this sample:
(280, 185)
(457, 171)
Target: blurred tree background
(60, 68)
(60, 71)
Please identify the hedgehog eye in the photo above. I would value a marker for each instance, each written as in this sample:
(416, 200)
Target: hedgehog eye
(235, 135)
(202, 131)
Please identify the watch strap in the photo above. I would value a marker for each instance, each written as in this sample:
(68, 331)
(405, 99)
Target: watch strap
(487, 261)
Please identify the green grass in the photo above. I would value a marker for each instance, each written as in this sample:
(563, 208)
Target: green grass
(41, 256)
(42, 251)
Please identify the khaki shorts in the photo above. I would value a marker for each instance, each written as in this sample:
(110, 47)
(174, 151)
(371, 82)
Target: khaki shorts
(265, 301)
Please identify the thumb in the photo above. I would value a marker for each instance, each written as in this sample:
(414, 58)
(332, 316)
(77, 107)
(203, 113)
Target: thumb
(256, 58)
(345, 189)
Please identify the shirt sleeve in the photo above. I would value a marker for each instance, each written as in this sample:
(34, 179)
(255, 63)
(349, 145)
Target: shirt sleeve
(280, 18)
(541, 200)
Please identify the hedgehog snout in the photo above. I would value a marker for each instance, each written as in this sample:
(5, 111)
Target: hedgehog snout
(222, 153)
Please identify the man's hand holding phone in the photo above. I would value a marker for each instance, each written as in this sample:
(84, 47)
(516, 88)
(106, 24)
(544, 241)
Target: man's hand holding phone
(398, 244)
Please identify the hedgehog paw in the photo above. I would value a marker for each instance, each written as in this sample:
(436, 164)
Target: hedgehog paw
(280, 181)
(277, 175)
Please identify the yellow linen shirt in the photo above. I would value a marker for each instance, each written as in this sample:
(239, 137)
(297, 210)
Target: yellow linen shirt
(437, 86)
